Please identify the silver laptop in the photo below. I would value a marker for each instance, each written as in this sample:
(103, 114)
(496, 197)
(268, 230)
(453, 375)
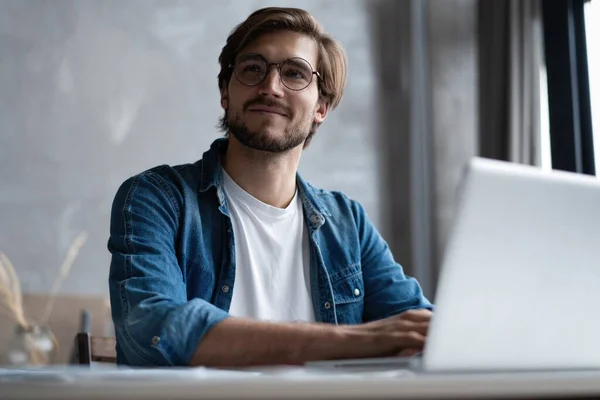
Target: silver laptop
(519, 288)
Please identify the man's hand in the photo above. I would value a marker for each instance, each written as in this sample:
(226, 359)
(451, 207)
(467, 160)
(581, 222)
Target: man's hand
(408, 321)
(403, 334)
(418, 315)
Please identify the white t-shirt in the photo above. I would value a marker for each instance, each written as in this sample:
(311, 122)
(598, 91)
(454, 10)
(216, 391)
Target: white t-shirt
(272, 280)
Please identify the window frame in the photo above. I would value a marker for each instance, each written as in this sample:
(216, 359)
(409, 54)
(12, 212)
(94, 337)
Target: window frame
(569, 104)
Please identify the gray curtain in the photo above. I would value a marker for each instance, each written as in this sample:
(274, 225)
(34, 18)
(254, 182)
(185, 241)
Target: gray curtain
(510, 57)
(390, 22)
(401, 57)
(458, 78)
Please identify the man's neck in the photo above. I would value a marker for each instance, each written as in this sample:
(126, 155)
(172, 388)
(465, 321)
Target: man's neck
(269, 177)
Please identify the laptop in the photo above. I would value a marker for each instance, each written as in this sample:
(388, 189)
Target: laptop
(519, 286)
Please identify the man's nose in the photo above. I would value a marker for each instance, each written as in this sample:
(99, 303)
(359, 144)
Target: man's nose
(272, 85)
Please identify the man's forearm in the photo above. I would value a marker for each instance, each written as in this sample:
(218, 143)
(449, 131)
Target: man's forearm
(243, 342)
(237, 342)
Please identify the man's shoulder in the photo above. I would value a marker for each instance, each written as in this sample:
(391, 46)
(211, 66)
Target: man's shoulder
(171, 180)
(189, 172)
(195, 176)
(333, 201)
(326, 194)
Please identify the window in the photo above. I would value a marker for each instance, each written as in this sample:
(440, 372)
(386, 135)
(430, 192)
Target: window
(546, 154)
(567, 27)
(592, 33)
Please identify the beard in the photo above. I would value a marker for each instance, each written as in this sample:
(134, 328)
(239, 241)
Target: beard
(262, 140)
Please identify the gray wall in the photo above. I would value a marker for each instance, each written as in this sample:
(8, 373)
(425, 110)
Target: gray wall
(92, 92)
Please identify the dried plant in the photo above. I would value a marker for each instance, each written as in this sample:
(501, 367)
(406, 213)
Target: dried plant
(63, 273)
(11, 300)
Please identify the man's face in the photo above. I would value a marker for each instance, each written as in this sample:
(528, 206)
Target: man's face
(270, 116)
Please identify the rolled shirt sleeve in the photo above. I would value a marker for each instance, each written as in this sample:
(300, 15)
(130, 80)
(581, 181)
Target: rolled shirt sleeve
(388, 290)
(155, 323)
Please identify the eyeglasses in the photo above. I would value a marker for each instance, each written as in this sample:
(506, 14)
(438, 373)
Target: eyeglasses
(295, 73)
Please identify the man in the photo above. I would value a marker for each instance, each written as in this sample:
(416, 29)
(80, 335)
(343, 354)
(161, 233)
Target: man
(236, 260)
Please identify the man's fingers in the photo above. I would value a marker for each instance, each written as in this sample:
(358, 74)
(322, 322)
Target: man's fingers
(409, 352)
(397, 324)
(420, 327)
(410, 339)
(421, 315)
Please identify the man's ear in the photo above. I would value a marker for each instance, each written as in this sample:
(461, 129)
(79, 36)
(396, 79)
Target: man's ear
(224, 98)
(321, 111)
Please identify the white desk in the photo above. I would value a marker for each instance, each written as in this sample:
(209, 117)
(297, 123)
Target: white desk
(289, 383)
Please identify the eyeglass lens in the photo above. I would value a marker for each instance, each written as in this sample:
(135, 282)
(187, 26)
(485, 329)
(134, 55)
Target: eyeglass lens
(296, 73)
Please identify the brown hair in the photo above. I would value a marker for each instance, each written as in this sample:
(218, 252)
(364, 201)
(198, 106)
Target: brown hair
(332, 58)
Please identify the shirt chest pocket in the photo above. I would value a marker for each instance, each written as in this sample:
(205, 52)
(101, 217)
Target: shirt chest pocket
(348, 295)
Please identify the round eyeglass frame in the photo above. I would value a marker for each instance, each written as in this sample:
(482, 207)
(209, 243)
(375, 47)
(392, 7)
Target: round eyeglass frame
(279, 66)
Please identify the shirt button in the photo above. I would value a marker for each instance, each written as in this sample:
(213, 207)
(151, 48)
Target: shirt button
(356, 292)
(317, 219)
(155, 340)
(225, 288)
(327, 306)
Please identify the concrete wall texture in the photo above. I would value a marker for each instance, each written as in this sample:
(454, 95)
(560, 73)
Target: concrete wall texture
(92, 92)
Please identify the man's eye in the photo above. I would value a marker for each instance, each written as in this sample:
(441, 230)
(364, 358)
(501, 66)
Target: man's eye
(253, 68)
(294, 73)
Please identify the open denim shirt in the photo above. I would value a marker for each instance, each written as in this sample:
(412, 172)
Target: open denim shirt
(173, 262)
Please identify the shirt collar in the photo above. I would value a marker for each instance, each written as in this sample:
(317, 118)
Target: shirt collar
(212, 176)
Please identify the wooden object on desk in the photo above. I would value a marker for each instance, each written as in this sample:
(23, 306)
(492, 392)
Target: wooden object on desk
(89, 349)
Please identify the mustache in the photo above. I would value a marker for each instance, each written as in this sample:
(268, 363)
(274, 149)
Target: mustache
(268, 103)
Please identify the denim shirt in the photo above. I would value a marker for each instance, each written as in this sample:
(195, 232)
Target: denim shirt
(172, 271)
